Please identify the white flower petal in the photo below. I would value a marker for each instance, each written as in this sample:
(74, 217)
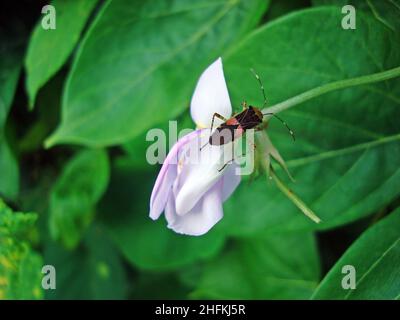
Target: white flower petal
(170, 214)
(167, 176)
(230, 181)
(210, 96)
(197, 177)
(163, 191)
(203, 216)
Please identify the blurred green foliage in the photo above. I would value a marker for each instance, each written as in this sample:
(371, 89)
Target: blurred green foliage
(112, 70)
(10, 64)
(75, 194)
(20, 266)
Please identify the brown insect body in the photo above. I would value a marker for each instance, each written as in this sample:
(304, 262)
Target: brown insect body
(234, 127)
(231, 129)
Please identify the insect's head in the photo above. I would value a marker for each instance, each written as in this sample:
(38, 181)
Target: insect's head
(258, 113)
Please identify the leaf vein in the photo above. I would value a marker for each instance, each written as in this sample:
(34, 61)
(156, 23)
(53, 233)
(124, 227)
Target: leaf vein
(373, 266)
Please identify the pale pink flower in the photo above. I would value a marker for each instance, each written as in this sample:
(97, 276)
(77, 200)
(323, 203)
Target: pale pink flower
(191, 193)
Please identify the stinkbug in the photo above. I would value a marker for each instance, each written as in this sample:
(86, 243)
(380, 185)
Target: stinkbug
(249, 118)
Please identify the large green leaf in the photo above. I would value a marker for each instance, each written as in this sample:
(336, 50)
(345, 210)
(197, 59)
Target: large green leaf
(10, 63)
(148, 244)
(20, 266)
(75, 194)
(137, 148)
(93, 271)
(49, 49)
(139, 63)
(375, 257)
(346, 158)
(385, 12)
(280, 266)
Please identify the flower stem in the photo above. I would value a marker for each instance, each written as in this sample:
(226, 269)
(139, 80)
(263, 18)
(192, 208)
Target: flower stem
(341, 84)
(295, 199)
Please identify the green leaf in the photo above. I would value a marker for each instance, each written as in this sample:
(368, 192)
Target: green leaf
(385, 12)
(9, 181)
(48, 109)
(148, 244)
(145, 59)
(93, 271)
(346, 156)
(20, 272)
(136, 148)
(375, 257)
(280, 266)
(20, 266)
(15, 224)
(49, 49)
(10, 63)
(75, 194)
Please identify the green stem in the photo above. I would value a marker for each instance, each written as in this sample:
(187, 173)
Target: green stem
(341, 84)
(295, 199)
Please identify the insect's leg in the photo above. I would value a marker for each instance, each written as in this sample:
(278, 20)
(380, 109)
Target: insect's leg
(215, 115)
(201, 148)
(233, 158)
(230, 161)
(244, 105)
(223, 167)
(226, 163)
(261, 86)
(233, 149)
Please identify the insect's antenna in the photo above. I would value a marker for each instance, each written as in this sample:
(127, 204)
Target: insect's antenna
(283, 122)
(261, 86)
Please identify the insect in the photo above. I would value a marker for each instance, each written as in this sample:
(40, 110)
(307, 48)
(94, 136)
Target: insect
(249, 118)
